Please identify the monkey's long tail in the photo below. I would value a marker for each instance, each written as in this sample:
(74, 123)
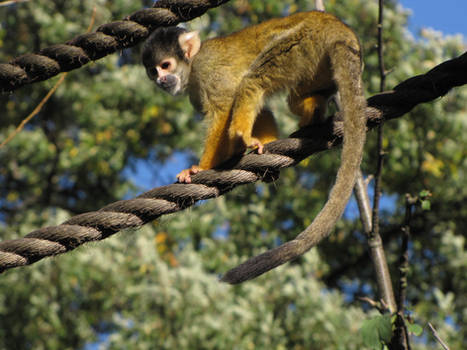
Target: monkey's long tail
(346, 63)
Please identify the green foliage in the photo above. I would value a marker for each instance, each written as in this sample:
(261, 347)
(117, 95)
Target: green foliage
(415, 329)
(377, 331)
(158, 287)
(424, 201)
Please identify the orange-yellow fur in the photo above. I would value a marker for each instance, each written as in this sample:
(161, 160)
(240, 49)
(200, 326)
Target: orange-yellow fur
(309, 109)
(231, 77)
(265, 127)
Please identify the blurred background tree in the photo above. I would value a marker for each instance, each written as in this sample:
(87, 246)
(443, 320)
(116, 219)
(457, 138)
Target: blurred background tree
(107, 134)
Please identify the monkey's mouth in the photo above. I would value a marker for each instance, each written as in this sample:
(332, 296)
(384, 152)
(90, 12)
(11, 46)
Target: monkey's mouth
(169, 83)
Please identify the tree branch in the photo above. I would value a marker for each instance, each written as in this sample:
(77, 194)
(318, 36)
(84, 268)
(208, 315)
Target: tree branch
(375, 245)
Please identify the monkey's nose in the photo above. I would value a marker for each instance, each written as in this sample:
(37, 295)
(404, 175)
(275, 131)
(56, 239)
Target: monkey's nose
(163, 82)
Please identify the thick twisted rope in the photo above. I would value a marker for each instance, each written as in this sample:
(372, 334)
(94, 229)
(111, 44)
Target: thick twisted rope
(107, 39)
(132, 213)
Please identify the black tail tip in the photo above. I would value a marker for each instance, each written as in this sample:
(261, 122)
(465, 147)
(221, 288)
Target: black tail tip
(234, 276)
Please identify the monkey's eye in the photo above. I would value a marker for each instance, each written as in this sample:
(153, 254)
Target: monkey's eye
(152, 71)
(165, 65)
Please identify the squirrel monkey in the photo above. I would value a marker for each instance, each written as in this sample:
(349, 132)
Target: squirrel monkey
(309, 55)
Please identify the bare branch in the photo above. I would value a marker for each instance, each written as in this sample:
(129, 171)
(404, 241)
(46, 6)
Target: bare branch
(437, 337)
(375, 245)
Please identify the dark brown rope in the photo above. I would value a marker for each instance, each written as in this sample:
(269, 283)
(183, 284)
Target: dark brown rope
(132, 213)
(107, 39)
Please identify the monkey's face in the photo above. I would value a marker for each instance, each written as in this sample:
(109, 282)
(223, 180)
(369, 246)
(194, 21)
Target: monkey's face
(170, 75)
(167, 54)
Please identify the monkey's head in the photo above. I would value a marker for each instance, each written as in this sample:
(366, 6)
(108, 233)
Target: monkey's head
(167, 56)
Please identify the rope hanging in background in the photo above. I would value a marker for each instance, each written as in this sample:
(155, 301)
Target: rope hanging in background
(107, 39)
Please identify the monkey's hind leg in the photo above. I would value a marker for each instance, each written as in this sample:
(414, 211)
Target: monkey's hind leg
(311, 109)
(265, 127)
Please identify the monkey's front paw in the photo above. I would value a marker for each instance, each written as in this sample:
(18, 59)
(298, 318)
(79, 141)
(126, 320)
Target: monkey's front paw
(185, 175)
(249, 142)
(253, 143)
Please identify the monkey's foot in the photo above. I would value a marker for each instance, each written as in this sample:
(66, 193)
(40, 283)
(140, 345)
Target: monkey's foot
(185, 175)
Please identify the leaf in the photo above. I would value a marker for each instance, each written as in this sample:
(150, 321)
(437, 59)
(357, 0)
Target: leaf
(424, 193)
(377, 331)
(415, 329)
(385, 328)
(370, 335)
(426, 205)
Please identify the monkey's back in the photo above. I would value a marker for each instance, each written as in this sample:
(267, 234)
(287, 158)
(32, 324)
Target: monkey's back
(226, 60)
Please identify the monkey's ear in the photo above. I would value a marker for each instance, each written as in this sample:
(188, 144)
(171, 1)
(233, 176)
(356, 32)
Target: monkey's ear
(190, 43)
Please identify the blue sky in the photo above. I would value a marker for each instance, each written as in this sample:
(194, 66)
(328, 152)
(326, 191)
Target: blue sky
(447, 16)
